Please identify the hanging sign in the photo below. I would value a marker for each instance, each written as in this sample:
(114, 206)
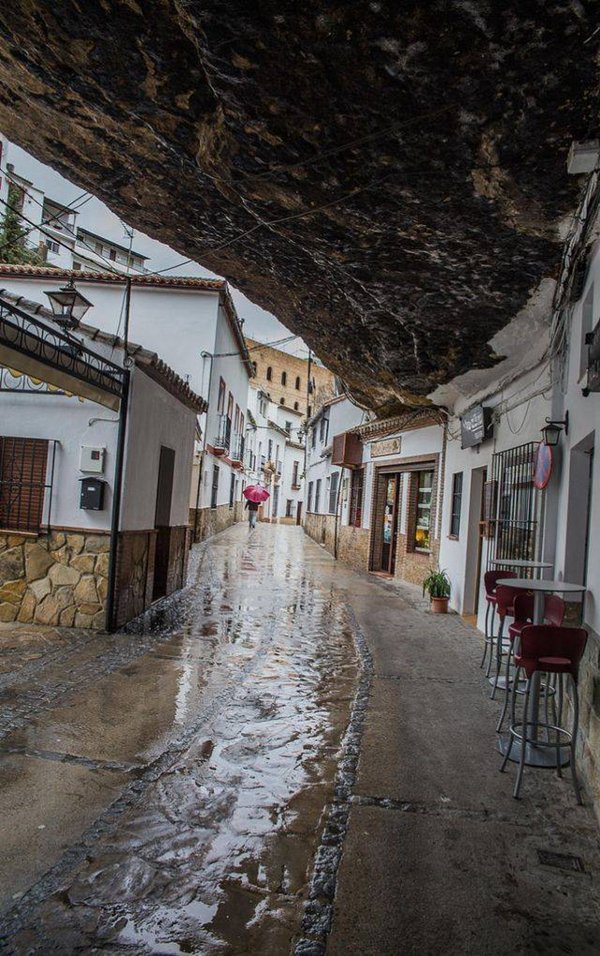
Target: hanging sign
(475, 426)
(542, 467)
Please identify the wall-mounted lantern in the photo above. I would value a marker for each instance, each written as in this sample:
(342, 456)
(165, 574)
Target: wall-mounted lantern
(551, 431)
(68, 305)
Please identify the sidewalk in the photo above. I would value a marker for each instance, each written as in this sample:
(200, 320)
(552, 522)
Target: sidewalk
(439, 857)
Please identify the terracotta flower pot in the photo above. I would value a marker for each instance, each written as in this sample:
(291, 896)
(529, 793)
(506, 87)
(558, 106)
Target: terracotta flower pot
(439, 605)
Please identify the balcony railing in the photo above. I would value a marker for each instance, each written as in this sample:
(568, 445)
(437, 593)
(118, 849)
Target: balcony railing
(223, 436)
(237, 448)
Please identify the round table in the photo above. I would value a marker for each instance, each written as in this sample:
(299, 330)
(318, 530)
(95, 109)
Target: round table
(537, 756)
(522, 564)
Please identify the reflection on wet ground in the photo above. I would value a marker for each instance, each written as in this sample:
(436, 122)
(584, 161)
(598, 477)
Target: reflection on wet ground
(168, 786)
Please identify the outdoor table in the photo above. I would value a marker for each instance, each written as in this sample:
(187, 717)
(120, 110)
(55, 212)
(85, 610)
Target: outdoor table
(522, 564)
(537, 756)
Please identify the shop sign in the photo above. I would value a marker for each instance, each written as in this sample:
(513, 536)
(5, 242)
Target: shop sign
(387, 446)
(543, 466)
(475, 426)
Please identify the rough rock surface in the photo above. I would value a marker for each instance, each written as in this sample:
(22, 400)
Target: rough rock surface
(387, 178)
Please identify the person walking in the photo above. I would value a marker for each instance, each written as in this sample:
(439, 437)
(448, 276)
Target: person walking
(252, 507)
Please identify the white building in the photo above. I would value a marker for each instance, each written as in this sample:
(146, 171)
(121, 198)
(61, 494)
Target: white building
(192, 323)
(276, 457)
(95, 471)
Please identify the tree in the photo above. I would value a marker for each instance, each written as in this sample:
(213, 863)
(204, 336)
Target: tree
(13, 246)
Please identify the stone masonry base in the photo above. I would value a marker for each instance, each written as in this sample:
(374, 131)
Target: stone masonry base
(208, 521)
(56, 579)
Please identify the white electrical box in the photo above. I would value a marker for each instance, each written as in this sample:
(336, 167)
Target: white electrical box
(91, 459)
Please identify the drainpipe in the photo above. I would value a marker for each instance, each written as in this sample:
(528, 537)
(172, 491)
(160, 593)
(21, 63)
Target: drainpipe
(116, 506)
(204, 355)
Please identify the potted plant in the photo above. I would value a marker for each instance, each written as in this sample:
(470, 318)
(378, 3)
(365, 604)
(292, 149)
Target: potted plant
(437, 585)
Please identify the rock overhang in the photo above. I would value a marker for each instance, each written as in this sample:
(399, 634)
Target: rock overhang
(387, 178)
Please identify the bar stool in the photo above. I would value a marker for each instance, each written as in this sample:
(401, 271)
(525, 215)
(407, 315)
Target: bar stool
(505, 599)
(523, 614)
(554, 610)
(489, 581)
(549, 650)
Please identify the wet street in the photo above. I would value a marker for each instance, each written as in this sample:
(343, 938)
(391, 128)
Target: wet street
(165, 790)
(291, 758)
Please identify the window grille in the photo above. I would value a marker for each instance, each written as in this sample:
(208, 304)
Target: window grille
(26, 480)
(356, 497)
(317, 494)
(333, 487)
(519, 506)
(457, 483)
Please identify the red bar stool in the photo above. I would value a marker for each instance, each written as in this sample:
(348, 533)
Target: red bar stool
(489, 581)
(554, 610)
(505, 599)
(523, 614)
(549, 650)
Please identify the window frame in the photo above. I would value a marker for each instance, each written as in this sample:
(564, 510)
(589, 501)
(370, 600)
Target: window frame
(418, 477)
(456, 505)
(317, 495)
(357, 493)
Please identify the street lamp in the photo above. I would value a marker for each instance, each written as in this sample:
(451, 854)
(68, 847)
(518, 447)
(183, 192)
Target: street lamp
(551, 431)
(68, 305)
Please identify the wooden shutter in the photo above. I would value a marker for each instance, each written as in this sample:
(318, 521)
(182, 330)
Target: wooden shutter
(22, 483)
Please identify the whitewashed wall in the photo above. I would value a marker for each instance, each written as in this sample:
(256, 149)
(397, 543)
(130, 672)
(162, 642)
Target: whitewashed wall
(155, 418)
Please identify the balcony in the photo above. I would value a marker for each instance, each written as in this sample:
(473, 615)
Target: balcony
(222, 442)
(237, 450)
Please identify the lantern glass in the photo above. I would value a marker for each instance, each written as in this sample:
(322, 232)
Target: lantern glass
(551, 434)
(68, 305)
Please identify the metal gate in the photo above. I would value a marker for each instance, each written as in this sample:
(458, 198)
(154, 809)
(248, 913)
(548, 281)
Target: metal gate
(514, 506)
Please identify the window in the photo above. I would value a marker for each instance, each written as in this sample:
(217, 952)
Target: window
(457, 482)
(356, 497)
(270, 451)
(310, 494)
(214, 493)
(296, 406)
(269, 373)
(313, 437)
(232, 490)
(333, 488)
(230, 407)
(295, 481)
(587, 325)
(52, 245)
(112, 254)
(317, 494)
(22, 483)
(221, 402)
(297, 383)
(282, 401)
(324, 429)
(76, 265)
(284, 378)
(288, 427)
(422, 540)
(288, 508)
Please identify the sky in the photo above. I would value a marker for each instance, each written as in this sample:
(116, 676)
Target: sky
(98, 218)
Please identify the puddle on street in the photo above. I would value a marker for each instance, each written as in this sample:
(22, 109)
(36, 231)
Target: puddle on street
(214, 853)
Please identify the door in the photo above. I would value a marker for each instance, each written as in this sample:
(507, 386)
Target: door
(390, 521)
(214, 492)
(299, 513)
(162, 520)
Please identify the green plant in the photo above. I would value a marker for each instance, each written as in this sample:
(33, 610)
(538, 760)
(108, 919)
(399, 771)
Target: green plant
(13, 246)
(437, 584)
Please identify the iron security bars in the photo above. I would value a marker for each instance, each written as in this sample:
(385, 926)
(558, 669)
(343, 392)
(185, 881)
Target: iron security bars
(26, 480)
(517, 524)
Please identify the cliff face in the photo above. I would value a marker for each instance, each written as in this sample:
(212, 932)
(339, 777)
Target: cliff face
(387, 178)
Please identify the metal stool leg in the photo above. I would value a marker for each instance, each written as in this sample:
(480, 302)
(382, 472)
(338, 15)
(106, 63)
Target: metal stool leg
(509, 657)
(517, 790)
(487, 634)
(574, 730)
(559, 678)
(513, 712)
(491, 637)
(499, 640)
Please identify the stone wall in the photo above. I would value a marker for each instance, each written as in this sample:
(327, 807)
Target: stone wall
(55, 579)
(212, 520)
(352, 543)
(589, 718)
(135, 574)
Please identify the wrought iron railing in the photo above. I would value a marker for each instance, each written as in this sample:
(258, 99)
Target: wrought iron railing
(223, 436)
(237, 448)
(28, 336)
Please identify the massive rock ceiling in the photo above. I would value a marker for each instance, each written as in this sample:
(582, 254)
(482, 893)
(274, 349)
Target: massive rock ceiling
(387, 178)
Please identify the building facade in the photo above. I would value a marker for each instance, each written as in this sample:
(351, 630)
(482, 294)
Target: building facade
(284, 378)
(95, 468)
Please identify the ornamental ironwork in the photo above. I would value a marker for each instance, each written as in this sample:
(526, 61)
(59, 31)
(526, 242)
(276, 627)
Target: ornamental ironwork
(25, 334)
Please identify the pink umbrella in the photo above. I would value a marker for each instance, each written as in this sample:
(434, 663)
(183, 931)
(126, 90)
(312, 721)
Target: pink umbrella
(256, 493)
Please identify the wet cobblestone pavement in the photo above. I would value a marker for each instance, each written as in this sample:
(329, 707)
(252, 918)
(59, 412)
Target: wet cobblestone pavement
(176, 778)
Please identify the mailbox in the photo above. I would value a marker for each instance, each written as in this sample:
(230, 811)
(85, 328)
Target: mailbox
(92, 494)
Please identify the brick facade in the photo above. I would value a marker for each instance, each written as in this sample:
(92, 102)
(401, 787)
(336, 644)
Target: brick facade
(208, 521)
(410, 565)
(352, 543)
